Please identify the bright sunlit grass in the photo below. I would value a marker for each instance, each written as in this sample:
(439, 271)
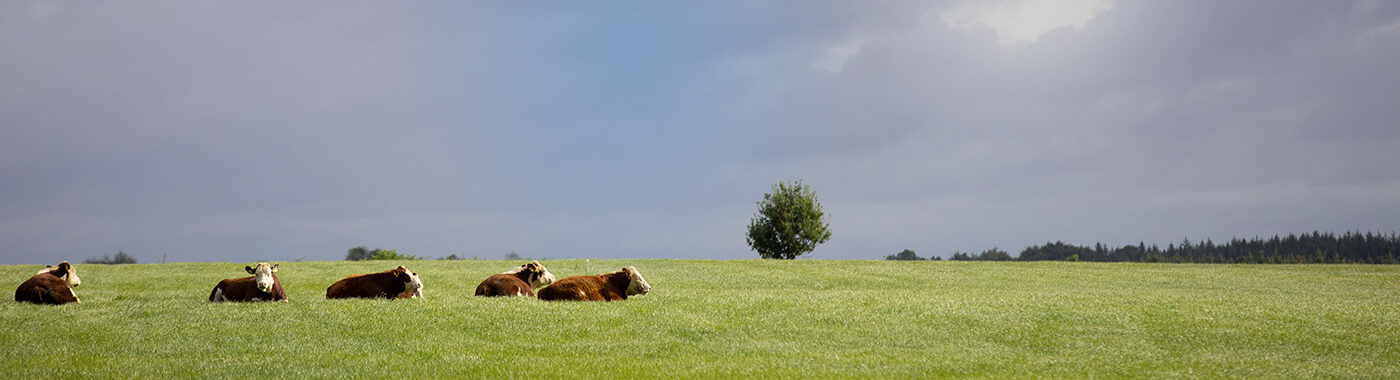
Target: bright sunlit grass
(729, 319)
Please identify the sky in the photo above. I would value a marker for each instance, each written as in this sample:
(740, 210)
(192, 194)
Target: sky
(245, 131)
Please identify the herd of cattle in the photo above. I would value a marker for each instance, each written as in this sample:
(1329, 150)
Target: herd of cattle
(54, 285)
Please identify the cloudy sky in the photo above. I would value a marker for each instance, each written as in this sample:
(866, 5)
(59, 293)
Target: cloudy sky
(244, 131)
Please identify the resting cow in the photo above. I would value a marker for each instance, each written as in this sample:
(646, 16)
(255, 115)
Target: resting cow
(262, 286)
(613, 286)
(53, 285)
(396, 283)
(520, 281)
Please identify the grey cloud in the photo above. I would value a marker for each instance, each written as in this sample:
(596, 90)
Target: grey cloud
(238, 132)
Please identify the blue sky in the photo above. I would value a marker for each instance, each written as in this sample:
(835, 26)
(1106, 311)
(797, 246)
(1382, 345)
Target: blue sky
(273, 131)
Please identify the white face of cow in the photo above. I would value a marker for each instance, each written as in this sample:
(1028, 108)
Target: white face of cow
(638, 285)
(539, 275)
(70, 274)
(414, 284)
(263, 275)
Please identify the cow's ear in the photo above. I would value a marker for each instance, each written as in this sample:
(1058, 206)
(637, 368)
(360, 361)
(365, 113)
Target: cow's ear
(64, 265)
(250, 270)
(274, 268)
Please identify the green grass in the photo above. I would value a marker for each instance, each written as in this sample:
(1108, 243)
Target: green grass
(806, 318)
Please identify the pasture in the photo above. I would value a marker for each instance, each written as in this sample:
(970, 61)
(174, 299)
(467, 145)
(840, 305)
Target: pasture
(805, 318)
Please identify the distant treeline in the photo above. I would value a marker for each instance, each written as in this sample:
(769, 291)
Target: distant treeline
(121, 258)
(362, 253)
(1317, 247)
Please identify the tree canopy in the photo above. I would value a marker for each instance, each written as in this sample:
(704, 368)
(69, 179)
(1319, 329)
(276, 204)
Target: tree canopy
(789, 222)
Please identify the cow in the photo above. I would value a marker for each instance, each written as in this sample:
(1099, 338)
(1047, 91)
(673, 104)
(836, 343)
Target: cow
(53, 285)
(391, 284)
(615, 286)
(520, 281)
(262, 286)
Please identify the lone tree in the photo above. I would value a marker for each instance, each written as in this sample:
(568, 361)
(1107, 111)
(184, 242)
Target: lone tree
(789, 222)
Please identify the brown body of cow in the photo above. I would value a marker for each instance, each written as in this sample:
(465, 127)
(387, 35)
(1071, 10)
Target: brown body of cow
(51, 286)
(615, 286)
(396, 283)
(520, 281)
(263, 285)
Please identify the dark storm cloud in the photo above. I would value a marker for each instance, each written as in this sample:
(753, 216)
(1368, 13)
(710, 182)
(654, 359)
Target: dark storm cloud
(1156, 121)
(276, 131)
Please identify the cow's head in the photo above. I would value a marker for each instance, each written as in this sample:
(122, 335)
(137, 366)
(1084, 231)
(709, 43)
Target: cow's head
(65, 271)
(537, 274)
(263, 275)
(411, 283)
(638, 285)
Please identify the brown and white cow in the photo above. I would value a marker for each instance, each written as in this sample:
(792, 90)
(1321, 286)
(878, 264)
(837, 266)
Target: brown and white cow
(615, 286)
(396, 283)
(262, 286)
(520, 281)
(53, 285)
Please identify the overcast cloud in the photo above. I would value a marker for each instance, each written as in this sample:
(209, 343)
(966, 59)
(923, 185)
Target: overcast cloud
(276, 131)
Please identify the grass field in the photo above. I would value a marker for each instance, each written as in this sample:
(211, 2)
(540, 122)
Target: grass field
(806, 318)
